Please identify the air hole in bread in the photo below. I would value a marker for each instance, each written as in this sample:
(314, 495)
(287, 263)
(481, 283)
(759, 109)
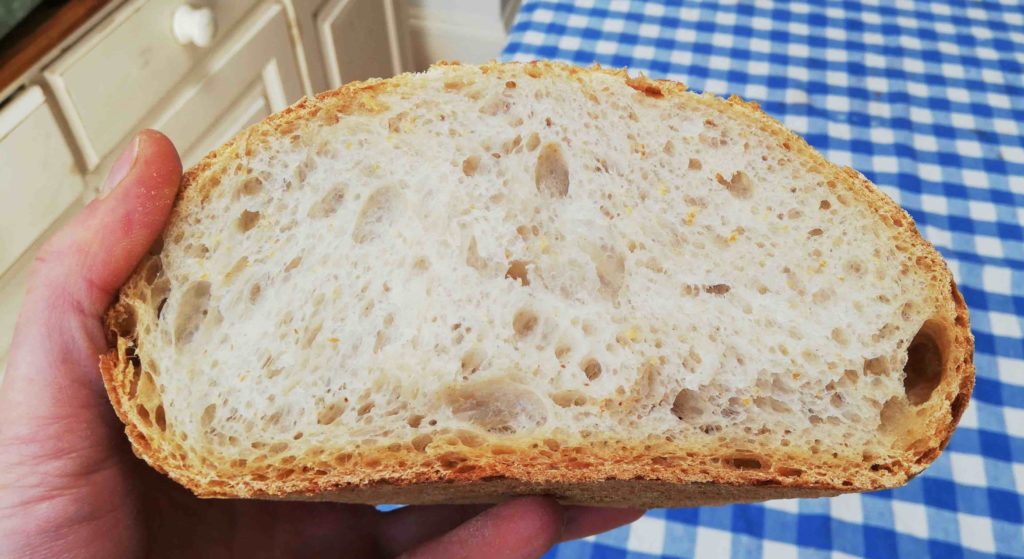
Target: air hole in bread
(788, 471)
(469, 438)
(552, 173)
(822, 296)
(524, 322)
(251, 186)
(569, 398)
(420, 442)
(739, 184)
(192, 309)
(925, 363)
(689, 405)
(498, 104)
(854, 267)
(293, 263)
(123, 320)
(470, 165)
(159, 418)
(610, 266)
(562, 350)
(839, 336)
(532, 141)
(450, 460)
(153, 269)
(331, 412)
(591, 367)
(143, 413)
(247, 220)
(328, 204)
(471, 361)
(745, 462)
(240, 265)
(710, 428)
(364, 409)
(517, 270)
(473, 258)
(209, 412)
(499, 407)
(878, 366)
(717, 289)
(377, 216)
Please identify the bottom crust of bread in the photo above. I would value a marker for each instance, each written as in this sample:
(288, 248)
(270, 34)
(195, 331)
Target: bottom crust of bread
(639, 493)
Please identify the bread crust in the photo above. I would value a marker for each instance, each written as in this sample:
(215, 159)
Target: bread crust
(617, 473)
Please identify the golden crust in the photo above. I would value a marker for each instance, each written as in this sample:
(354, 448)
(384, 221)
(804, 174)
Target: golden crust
(635, 473)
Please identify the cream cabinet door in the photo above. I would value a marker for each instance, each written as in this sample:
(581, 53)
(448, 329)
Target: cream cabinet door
(346, 40)
(39, 177)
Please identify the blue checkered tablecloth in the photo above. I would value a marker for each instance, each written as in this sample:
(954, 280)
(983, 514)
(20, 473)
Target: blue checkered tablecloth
(927, 100)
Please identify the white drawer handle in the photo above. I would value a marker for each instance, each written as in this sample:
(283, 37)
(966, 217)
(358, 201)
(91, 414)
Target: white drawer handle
(194, 25)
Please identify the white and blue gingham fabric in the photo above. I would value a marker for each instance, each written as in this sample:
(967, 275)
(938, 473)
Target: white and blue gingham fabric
(927, 100)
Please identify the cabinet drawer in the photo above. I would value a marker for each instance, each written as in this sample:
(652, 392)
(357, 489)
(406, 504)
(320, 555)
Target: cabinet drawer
(121, 70)
(250, 75)
(40, 178)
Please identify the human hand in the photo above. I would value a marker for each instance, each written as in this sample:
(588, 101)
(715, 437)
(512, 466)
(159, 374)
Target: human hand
(70, 486)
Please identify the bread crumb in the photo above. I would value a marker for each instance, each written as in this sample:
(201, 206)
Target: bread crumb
(691, 216)
(333, 340)
(734, 236)
(662, 189)
(628, 210)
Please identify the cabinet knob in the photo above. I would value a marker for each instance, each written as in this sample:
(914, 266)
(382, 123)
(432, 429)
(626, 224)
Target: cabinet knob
(194, 25)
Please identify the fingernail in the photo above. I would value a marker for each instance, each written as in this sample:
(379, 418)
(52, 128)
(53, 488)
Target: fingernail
(121, 166)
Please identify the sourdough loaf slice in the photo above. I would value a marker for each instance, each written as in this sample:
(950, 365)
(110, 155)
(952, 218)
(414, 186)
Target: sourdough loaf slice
(533, 278)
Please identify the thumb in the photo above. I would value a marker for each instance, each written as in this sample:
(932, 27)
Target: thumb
(59, 333)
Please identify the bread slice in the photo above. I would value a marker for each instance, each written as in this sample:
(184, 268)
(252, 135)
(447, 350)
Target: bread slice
(534, 278)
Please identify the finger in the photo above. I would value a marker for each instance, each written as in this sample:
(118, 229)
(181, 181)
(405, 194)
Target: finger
(581, 522)
(75, 275)
(407, 527)
(523, 528)
(114, 232)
